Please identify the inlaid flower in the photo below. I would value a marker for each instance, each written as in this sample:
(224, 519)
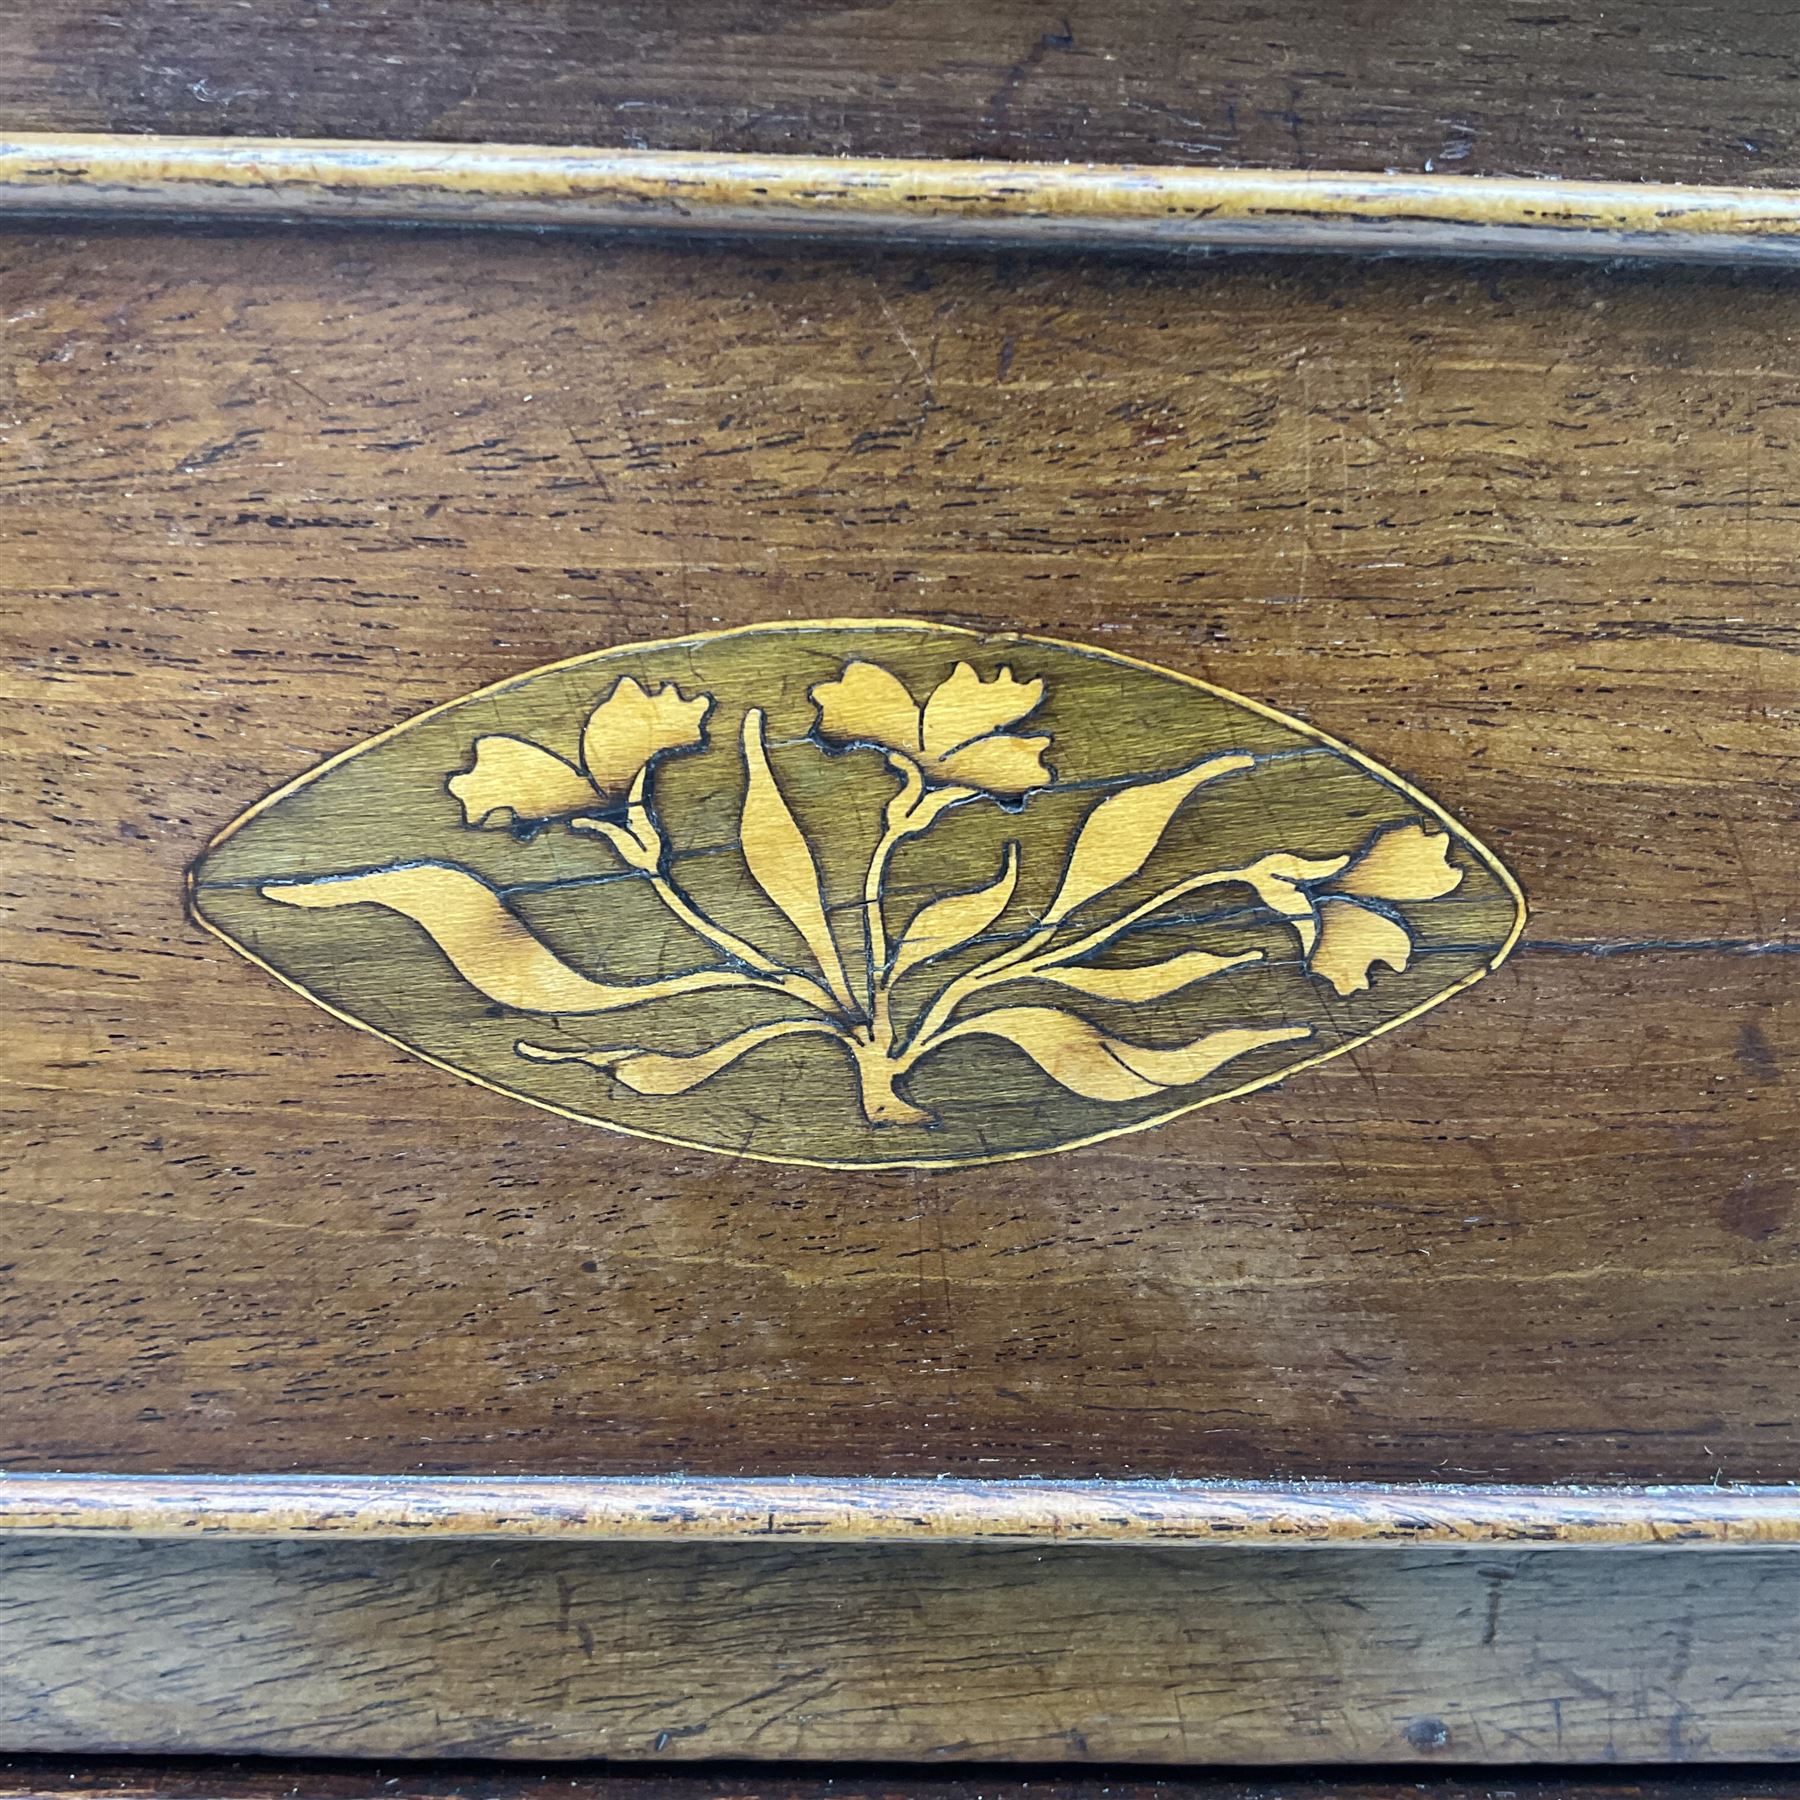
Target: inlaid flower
(514, 780)
(959, 738)
(1405, 862)
(1340, 907)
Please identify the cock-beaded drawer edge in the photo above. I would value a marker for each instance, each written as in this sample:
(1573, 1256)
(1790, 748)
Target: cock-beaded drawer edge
(875, 1511)
(1123, 206)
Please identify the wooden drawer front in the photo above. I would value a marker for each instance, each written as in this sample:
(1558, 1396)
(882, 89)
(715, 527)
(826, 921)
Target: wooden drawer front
(1524, 536)
(1338, 1311)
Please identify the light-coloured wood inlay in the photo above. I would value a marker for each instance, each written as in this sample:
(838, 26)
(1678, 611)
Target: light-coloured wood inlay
(975, 897)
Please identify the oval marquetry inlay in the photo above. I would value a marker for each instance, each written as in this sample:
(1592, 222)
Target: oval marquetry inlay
(861, 894)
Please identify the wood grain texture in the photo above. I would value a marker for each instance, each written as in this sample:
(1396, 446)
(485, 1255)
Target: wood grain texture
(928, 1655)
(269, 1778)
(1525, 537)
(1647, 90)
(868, 1510)
(893, 200)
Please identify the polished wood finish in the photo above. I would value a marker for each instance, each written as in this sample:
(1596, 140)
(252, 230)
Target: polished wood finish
(1643, 90)
(1037, 204)
(684, 1652)
(1523, 536)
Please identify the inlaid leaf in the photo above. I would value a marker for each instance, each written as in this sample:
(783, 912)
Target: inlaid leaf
(1117, 837)
(597, 888)
(485, 942)
(665, 1072)
(781, 861)
(1088, 1061)
(1147, 981)
(948, 924)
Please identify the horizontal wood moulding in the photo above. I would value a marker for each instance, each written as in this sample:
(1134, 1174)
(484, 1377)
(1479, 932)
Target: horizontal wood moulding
(893, 1511)
(908, 198)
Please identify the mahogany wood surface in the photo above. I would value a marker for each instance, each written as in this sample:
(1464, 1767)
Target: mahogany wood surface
(1524, 536)
(1660, 90)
